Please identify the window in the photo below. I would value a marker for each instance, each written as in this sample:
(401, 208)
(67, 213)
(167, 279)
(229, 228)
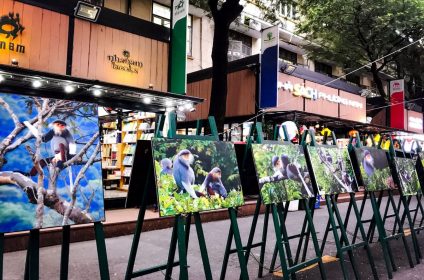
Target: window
(323, 68)
(240, 45)
(189, 35)
(161, 15)
(288, 56)
(289, 11)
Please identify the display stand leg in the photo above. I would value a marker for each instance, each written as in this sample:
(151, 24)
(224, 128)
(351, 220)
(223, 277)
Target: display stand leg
(33, 256)
(274, 255)
(305, 234)
(172, 249)
(282, 217)
(226, 254)
(1, 254)
(101, 251)
(264, 237)
(239, 246)
(371, 230)
(387, 254)
(407, 213)
(347, 217)
(361, 212)
(398, 210)
(202, 245)
(64, 257)
(182, 249)
(363, 236)
(279, 241)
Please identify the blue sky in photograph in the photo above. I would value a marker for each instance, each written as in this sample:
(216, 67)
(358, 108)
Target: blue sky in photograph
(16, 212)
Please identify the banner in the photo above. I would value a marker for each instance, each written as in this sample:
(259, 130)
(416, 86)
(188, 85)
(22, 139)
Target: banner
(397, 97)
(269, 68)
(178, 79)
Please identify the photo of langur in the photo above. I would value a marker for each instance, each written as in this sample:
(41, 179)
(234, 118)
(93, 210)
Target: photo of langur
(333, 169)
(62, 144)
(407, 175)
(282, 172)
(195, 175)
(374, 169)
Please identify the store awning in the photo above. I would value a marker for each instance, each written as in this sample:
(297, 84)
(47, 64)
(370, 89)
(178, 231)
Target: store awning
(333, 123)
(304, 73)
(21, 81)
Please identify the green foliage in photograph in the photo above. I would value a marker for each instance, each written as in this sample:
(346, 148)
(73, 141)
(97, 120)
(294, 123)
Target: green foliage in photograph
(408, 176)
(332, 169)
(276, 188)
(207, 155)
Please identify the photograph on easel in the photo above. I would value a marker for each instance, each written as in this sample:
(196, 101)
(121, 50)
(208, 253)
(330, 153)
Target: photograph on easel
(374, 169)
(195, 175)
(282, 172)
(50, 163)
(333, 170)
(408, 177)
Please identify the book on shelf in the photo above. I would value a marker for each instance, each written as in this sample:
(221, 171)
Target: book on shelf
(128, 160)
(109, 125)
(130, 126)
(130, 138)
(110, 138)
(129, 149)
(146, 136)
(127, 171)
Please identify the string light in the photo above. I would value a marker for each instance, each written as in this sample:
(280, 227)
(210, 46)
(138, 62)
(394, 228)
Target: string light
(37, 83)
(69, 88)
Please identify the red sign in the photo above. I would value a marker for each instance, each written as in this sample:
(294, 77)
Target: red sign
(397, 98)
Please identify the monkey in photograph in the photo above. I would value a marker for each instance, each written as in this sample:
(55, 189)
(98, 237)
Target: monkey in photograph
(213, 184)
(368, 163)
(183, 173)
(61, 144)
(166, 165)
(297, 174)
(277, 166)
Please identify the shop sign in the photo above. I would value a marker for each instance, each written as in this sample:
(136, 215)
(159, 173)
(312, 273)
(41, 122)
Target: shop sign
(125, 63)
(314, 94)
(397, 98)
(11, 28)
(414, 122)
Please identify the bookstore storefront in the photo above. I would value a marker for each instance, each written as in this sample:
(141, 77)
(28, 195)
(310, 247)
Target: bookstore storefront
(120, 68)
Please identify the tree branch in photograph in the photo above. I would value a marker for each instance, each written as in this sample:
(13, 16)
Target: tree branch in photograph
(78, 156)
(75, 187)
(50, 199)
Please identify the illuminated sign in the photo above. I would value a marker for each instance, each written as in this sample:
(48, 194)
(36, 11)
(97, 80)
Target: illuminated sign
(125, 63)
(11, 28)
(314, 94)
(414, 122)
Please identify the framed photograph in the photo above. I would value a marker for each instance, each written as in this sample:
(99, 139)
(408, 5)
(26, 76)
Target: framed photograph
(50, 163)
(408, 176)
(195, 175)
(374, 169)
(333, 170)
(282, 172)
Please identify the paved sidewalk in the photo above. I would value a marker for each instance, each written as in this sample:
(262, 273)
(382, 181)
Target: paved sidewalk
(154, 244)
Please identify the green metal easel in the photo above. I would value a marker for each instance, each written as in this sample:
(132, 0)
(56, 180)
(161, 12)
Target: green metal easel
(379, 222)
(181, 229)
(336, 223)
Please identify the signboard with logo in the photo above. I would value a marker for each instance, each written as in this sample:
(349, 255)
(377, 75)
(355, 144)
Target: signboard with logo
(397, 97)
(414, 121)
(178, 47)
(125, 62)
(269, 68)
(32, 37)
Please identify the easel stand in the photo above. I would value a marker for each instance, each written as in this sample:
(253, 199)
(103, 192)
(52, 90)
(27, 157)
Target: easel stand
(379, 222)
(336, 223)
(289, 266)
(181, 228)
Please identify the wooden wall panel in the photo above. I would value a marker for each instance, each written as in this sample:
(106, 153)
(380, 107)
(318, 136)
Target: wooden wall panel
(45, 38)
(241, 98)
(93, 43)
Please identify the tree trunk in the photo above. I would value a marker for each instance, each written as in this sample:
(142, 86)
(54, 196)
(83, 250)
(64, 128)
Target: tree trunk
(377, 80)
(218, 101)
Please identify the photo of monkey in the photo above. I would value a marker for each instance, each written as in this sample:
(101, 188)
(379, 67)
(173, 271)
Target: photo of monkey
(282, 172)
(374, 169)
(50, 163)
(407, 175)
(332, 169)
(195, 175)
